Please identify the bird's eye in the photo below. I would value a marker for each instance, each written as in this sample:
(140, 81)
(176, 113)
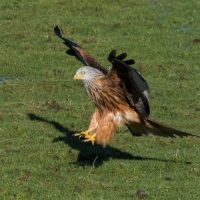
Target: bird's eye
(83, 72)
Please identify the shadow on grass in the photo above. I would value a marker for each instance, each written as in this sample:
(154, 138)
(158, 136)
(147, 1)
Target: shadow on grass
(88, 153)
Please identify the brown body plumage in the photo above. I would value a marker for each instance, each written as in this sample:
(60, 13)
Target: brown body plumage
(120, 96)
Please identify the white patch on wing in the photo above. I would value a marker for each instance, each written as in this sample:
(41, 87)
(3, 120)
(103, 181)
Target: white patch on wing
(146, 93)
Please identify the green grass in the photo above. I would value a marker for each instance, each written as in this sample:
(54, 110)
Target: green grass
(41, 106)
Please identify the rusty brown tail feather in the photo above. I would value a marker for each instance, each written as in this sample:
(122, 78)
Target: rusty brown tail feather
(153, 127)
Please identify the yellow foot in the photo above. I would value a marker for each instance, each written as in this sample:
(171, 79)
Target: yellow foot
(89, 138)
(82, 134)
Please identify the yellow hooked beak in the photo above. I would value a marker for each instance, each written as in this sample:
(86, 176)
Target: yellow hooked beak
(76, 76)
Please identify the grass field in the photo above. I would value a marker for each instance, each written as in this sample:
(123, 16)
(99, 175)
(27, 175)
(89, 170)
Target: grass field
(41, 106)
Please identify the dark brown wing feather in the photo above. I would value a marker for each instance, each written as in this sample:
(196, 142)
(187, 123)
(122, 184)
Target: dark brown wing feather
(131, 86)
(85, 57)
(79, 53)
(121, 57)
(153, 127)
(140, 81)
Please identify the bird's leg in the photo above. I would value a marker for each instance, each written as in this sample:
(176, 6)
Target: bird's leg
(91, 138)
(82, 134)
(87, 133)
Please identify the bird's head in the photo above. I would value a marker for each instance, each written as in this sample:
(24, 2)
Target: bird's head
(87, 73)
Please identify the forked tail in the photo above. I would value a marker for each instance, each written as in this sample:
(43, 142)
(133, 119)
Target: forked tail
(153, 127)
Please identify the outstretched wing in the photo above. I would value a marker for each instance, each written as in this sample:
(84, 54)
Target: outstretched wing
(79, 53)
(133, 85)
(140, 81)
(84, 56)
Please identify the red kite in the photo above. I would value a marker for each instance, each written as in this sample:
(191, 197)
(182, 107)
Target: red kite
(120, 95)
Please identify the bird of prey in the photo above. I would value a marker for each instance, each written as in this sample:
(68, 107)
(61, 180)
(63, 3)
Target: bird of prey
(121, 96)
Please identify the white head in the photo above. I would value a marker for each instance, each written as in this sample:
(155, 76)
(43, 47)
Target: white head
(87, 73)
